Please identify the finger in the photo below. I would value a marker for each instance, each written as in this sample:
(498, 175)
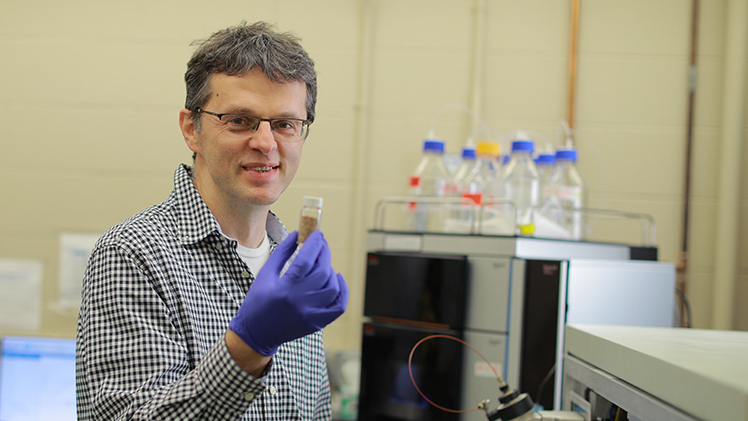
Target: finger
(282, 252)
(323, 295)
(307, 260)
(324, 259)
(326, 315)
(342, 300)
(336, 297)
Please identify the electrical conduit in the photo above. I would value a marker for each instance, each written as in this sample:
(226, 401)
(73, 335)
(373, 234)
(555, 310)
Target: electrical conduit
(733, 112)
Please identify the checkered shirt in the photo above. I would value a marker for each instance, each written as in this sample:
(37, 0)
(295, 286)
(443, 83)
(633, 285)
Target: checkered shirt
(159, 292)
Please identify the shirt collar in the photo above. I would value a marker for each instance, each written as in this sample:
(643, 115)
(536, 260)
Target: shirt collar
(196, 221)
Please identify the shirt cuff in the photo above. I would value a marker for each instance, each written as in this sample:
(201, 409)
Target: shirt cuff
(224, 380)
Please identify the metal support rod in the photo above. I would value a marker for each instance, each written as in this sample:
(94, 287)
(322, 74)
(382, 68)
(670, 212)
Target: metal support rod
(682, 264)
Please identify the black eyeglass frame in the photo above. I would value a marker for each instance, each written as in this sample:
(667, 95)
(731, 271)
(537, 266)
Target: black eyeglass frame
(304, 123)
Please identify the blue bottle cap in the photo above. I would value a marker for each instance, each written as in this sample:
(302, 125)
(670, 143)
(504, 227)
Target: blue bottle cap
(468, 152)
(545, 159)
(523, 146)
(436, 145)
(566, 155)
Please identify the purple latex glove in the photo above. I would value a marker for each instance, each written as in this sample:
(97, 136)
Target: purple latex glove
(305, 299)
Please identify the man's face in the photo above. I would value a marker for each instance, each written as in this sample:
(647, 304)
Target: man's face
(253, 169)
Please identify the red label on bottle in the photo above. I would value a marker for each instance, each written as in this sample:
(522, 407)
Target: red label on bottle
(477, 198)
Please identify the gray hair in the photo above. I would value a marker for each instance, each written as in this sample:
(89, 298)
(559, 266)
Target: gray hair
(235, 51)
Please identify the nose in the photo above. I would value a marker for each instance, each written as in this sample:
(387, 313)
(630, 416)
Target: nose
(262, 139)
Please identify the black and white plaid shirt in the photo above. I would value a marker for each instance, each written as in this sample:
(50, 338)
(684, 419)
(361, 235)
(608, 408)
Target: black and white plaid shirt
(158, 295)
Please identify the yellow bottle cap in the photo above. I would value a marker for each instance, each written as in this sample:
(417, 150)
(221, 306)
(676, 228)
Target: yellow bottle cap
(487, 148)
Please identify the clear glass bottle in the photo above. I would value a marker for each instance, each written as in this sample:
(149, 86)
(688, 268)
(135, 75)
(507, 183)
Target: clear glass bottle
(568, 188)
(467, 164)
(522, 185)
(545, 162)
(479, 176)
(430, 179)
(481, 183)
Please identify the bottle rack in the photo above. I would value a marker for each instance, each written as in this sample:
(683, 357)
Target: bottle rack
(478, 212)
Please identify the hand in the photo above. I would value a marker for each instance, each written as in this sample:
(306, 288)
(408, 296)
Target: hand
(309, 296)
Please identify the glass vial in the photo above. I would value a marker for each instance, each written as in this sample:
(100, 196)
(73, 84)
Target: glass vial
(311, 214)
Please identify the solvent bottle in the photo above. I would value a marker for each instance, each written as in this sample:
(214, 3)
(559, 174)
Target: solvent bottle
(481, 182)
(545, 162)
(430, 179)
(311, 215)
(522, 185)
(467, 164)
(476, 186)
(568, 188)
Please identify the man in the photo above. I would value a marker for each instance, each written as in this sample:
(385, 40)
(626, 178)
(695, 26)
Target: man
(177, 319)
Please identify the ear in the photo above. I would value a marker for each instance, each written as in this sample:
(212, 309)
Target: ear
(187, 124)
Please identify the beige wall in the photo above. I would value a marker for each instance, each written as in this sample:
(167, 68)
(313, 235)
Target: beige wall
(90, 92)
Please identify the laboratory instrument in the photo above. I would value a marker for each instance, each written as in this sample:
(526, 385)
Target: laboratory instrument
(508, 296)
(655, 373)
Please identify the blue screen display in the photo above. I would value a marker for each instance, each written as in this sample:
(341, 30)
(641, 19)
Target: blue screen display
(37, 378)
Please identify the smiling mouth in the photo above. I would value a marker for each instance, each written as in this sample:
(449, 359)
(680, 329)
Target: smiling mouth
(261, 169)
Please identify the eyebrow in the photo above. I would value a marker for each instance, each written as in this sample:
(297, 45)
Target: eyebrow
(247, 111)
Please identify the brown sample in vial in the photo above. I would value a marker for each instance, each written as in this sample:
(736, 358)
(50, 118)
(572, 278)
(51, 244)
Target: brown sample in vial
(311, 212)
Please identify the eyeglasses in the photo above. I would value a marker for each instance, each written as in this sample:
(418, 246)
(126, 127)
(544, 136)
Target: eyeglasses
(283, 128)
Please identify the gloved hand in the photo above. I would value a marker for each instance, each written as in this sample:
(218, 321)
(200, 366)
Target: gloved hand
(309, 296)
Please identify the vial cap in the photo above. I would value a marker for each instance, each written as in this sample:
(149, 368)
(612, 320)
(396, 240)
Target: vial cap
(436, 145)
(523, 146)
(312, 202)
(488, 148)
(566, 155)
(468, 152)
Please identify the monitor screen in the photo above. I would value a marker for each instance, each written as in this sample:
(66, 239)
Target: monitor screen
(37, 378)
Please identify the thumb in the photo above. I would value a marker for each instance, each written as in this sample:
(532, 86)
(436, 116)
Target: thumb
(282, 252)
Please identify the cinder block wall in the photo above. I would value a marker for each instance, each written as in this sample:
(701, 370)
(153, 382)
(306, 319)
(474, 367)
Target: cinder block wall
(91, 91)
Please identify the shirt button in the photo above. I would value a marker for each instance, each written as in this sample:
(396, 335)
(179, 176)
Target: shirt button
(219, 246)
(249, 396)
(245, 274)
(272, 390)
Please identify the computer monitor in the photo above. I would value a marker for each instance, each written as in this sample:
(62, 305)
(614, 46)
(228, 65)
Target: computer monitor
(37, 378)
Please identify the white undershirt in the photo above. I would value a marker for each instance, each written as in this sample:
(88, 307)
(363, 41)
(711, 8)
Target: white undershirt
(255, 257)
